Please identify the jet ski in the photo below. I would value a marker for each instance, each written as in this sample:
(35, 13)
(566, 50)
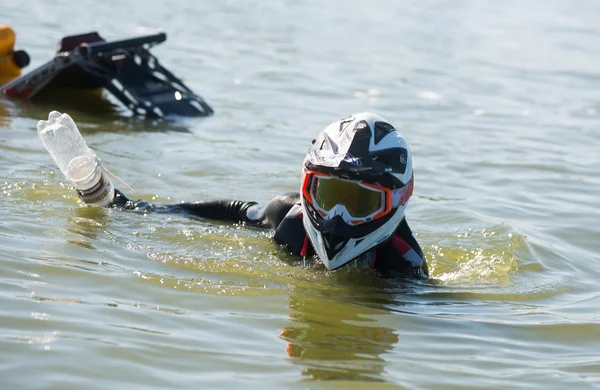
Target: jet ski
(125, 68)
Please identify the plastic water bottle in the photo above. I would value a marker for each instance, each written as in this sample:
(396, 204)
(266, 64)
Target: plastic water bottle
(80, 165)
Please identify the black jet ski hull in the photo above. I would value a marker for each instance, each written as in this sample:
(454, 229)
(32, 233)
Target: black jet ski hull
(125, 68)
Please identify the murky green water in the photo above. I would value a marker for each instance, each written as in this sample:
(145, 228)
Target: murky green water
(499, 102)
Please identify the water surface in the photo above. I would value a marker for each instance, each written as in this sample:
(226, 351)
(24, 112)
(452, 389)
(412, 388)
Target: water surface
(499, 102)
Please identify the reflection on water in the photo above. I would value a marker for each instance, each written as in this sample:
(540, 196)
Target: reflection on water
(77, 101)
(338, 338)
(4, 114)
(85, 105)
(88, 222)
(94, 111)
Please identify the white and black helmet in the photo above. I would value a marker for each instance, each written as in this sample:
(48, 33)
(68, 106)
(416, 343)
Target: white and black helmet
(356, 181)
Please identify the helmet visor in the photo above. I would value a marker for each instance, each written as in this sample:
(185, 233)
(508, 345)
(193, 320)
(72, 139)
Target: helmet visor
(357, 201)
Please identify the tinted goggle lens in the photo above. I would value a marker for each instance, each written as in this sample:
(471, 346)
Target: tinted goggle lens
(359, 200)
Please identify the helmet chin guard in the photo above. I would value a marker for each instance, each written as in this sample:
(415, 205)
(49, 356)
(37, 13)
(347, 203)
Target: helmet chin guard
(356, 182)
(335, 250)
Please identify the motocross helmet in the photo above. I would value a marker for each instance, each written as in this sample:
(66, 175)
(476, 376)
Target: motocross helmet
(357, 178)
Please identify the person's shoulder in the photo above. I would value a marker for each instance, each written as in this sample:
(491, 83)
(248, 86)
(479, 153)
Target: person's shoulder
(280, 206)
(290, 231)
(405, 233)
(408, 249)
(401, 253)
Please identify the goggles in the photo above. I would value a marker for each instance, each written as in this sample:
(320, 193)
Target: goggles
(356, 202)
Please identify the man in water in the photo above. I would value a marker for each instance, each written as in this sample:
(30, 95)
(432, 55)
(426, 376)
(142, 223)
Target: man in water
(357, 179)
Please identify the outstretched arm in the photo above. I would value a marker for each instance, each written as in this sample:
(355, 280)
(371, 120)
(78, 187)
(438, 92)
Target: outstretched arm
(82, 168)
(225, 210)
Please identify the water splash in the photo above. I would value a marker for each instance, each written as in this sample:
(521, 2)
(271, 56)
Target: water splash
(487, 256)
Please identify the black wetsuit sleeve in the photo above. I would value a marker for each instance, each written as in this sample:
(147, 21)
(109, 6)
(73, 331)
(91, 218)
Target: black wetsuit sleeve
(224, 210)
